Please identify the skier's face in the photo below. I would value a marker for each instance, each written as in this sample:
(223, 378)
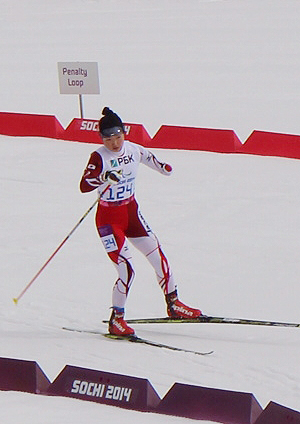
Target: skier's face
(114, 143)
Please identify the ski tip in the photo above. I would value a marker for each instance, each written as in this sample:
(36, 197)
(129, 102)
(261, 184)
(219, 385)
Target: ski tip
(15, 300)
(205, 353)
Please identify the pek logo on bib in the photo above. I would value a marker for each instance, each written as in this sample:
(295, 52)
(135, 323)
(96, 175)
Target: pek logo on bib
(124, 160)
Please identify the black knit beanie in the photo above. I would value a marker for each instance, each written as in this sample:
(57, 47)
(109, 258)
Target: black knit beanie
(110, 124)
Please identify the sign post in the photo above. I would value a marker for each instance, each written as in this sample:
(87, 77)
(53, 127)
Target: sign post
(78, 78)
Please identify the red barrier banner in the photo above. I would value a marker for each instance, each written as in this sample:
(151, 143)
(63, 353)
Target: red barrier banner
(167, 137)
(20, 124)
(272, 144)
(87, 130)
(213, 140)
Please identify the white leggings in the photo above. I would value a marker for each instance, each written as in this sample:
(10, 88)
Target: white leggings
(150, 247)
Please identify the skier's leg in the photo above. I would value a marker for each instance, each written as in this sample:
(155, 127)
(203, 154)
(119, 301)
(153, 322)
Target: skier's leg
(116, 246)
(117, 249)
(151, 248)
(124, 267)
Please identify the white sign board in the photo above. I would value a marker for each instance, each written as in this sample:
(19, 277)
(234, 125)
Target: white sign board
(78, 77)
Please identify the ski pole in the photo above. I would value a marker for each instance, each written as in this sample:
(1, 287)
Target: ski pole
(16, 299)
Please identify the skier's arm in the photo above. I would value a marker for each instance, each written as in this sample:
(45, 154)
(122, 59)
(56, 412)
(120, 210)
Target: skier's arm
(149, 159)
(91, 175)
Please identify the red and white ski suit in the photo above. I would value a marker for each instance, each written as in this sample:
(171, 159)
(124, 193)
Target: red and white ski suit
(118, 217)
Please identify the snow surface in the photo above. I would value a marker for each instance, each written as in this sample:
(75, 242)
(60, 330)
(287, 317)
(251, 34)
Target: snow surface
(229, 224)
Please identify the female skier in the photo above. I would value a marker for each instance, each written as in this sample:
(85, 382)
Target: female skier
(112, 170)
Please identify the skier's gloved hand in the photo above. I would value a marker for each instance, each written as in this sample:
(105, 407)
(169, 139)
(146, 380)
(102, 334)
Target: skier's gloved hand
(167, 168)
(111, 177)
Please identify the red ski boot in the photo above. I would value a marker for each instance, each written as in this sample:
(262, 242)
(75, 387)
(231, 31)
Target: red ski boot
(177, 309)
(117, 325)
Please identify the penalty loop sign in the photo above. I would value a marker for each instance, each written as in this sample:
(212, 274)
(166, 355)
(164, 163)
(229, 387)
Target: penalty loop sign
(78, 78)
